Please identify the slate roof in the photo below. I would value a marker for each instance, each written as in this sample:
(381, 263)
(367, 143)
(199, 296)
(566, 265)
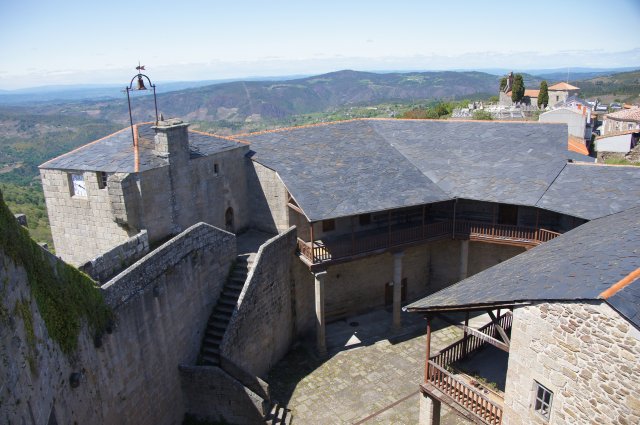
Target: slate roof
(342, 169)
(115, 153)
(592, 191)
(360, 166)
(578, 265)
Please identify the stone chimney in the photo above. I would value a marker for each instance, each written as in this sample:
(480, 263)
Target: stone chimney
(172, 140)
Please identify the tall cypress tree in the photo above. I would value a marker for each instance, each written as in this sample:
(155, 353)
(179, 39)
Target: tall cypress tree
(543, 97)
(517, 91)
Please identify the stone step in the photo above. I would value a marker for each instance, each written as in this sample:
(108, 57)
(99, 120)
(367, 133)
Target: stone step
(219, 317)
(215, 332)
(226, 308)
(210, 350)
(212, 341)
(209, 360)
(227, 300)
(278, 415)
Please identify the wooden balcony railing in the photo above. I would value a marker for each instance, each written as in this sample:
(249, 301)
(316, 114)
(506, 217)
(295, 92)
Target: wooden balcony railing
(465, 395)
(363, 242)
(521, 235)
(488, 411)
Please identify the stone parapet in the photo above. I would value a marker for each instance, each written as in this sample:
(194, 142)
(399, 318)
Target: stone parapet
(105, 266)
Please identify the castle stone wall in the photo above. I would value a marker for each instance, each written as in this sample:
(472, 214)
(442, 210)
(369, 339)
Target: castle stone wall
(213, 395)
(105, 266)
(161, 306)
(268, 199)
(585, 353)
(261, 328)
(82, 226)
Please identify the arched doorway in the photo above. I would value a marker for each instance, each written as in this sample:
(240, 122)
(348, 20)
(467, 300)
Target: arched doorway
(228, 219)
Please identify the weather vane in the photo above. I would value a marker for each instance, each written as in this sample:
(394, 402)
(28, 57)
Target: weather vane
(140, 86)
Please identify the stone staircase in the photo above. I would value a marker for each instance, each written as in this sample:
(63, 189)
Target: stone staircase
(219, 319)
(278, 414)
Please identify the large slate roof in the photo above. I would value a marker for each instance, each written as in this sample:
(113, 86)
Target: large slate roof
(592, 191)
(115, 153)
(343, 169)
(359, 166)
(578, 265)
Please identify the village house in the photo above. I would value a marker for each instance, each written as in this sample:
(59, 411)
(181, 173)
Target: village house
(624, 120)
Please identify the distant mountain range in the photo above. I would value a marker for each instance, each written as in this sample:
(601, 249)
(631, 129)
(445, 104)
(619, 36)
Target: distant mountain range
(63, 93)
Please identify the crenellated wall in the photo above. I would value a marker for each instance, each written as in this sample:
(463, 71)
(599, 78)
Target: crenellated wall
(107, 265)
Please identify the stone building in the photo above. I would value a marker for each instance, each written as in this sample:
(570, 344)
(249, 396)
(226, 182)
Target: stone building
(621, 121)
(162, 180)
(570, 329)
(385, 211)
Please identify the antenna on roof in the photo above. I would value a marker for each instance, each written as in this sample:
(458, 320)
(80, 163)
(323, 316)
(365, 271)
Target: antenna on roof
(140, 86)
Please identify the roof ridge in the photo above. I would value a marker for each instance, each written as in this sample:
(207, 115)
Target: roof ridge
(230, 138)
(621, 284)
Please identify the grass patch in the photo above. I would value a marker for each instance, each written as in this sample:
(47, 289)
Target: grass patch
(64, 295)
(620, 161)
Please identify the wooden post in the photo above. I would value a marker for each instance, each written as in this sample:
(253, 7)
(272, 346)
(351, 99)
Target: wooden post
(426, 366)
(465, 335)
(389, 226)
(353, 237)
(453, 230)
(313, 251)
(424, 211)
(537, 223)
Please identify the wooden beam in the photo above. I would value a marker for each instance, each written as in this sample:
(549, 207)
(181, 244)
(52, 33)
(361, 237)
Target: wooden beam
(295, 208)
(476, 333)
(426, 365)
(499, 328)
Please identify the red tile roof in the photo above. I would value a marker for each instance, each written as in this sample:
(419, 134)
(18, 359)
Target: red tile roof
(632, 114)
(576, 144)
(563, 87)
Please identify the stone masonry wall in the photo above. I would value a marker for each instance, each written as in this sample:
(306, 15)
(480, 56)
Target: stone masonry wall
(111, 262)
(268, 199)
(82, 226)
(262, 327)
(213, 395)
(161, 305)
(359, 285)
(585, 353)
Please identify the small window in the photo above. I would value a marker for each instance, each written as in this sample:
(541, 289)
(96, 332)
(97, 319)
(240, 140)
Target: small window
(102, 180)
(215, 169)
(328, 225)
(364, 219)
(543, 400)
(77, 185)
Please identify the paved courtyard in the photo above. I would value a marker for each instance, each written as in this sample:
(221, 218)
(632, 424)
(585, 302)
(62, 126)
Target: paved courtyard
(371, 376)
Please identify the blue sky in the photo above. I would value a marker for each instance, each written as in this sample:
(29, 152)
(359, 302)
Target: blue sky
(77, 42)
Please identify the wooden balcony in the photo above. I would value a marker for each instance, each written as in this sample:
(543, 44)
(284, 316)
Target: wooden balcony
(443, 383)
(346, 247)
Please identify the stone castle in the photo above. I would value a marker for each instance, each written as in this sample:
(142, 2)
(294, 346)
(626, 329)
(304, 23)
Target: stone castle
(360, 214)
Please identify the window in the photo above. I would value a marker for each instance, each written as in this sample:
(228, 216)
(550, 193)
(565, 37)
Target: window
(215, 169)
(328, 225)
(77, 185)
(364, 219)
(543, 399)
(102, 180)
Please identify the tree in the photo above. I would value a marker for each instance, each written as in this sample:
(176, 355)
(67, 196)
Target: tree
(503, 83)
(481, 114)
(517, 91)
(543, 96)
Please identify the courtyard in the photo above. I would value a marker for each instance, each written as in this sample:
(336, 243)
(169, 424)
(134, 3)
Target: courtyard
(371, 375)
